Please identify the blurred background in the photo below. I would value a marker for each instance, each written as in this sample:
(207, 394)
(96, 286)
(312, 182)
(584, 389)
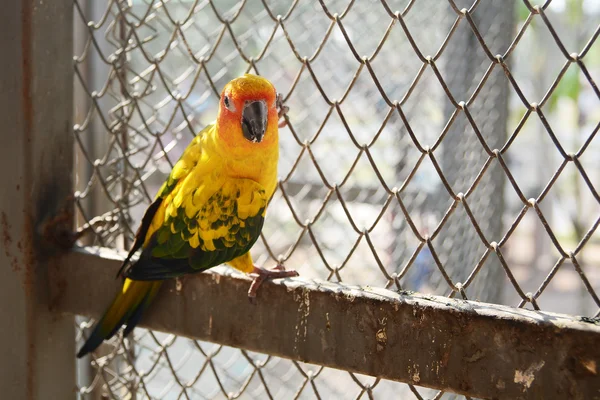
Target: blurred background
(376, 151)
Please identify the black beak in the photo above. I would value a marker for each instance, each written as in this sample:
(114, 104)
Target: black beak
(254, 121)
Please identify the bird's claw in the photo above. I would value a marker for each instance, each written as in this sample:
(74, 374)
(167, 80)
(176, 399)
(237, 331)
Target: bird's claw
(279, 267)
(281, 110)
(261, 275)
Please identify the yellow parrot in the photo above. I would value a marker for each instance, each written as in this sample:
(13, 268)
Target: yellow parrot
(211, 208)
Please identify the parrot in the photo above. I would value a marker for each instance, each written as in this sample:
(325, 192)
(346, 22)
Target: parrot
(211, 208)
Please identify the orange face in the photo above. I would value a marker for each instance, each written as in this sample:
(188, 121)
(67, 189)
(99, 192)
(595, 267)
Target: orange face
(248, 114)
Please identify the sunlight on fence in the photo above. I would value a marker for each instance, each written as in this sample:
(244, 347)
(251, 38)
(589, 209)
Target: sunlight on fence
(437, 148)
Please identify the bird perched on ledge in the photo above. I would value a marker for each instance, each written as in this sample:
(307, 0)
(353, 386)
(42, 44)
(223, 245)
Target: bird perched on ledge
(211, 208)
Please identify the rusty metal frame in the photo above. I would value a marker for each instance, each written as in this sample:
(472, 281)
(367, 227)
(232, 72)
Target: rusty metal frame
(471, 348)
(36, 160)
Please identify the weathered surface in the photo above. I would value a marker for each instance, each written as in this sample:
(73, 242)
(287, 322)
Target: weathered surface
(476, 349)
(36, 157)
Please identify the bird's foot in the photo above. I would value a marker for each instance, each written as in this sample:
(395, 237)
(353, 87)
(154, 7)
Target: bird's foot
(262, 275)
(281, 110)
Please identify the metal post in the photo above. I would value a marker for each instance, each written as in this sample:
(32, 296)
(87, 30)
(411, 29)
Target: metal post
(464, 72)
(36, 344)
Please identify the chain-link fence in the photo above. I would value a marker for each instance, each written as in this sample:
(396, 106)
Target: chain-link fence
(437, 148)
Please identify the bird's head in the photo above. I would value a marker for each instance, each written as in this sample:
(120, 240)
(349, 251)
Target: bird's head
(248, 114)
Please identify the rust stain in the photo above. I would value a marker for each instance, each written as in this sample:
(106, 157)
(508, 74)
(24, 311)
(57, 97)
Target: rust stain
(27, 38)
(59, 288)
(29, 259)
(57, 229)
(476, 356)
(7, 241)
(445, 358)
(28, 251)
(14, 263)
(6, 238)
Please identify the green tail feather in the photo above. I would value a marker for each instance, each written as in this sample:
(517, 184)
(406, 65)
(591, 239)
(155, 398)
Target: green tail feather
(127, 308)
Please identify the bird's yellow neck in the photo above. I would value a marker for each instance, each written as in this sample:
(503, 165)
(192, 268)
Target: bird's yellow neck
(259, 165)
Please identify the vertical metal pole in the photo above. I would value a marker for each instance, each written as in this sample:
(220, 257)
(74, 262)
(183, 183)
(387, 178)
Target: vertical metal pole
(490, 111)
(124, 134)
(36, 344)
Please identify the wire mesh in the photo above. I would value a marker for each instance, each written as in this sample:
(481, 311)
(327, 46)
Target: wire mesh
(447, 148)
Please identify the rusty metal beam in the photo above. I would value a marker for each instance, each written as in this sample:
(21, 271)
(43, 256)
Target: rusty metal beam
(36, 157)
(471, 348)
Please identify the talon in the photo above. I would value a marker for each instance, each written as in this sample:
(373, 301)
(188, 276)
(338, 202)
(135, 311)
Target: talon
(263, 274)
(282, 110)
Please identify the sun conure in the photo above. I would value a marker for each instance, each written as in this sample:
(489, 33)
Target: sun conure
(211, 208)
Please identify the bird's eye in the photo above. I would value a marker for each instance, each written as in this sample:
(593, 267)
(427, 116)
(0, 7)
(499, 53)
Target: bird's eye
(228, 103)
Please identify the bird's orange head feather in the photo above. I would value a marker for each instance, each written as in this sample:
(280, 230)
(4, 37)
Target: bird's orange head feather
(247, 118)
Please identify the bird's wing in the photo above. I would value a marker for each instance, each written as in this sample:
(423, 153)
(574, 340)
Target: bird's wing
(151, 221)
(217, 227)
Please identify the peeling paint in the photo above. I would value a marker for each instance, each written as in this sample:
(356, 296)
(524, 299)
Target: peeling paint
(527, 377)
(478, 355)
(437, 367)
(414, 374)
(381, 335)
(416, 378)
(590, 365)
(303, 298)
(350, 296)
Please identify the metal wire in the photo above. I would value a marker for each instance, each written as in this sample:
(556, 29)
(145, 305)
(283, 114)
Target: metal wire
(425, 150)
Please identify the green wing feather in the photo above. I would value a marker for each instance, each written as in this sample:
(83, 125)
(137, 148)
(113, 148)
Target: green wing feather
(208, 219)
(171, 254)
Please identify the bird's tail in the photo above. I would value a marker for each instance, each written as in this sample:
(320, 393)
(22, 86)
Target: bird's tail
(127, 308)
